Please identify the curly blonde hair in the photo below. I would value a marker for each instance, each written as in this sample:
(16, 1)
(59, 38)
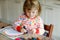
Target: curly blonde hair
(29, 4)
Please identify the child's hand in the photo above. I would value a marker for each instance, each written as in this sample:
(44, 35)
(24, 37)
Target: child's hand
(23, 30)
(31, 31)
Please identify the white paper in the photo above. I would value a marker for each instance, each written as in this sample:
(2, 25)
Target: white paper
(11, 32)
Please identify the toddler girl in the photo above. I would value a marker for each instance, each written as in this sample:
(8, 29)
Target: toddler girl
(31, 19)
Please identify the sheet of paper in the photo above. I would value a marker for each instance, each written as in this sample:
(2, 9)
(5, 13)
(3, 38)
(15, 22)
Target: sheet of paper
(11, 32)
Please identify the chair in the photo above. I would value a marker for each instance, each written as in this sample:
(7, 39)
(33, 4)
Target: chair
(48, 28)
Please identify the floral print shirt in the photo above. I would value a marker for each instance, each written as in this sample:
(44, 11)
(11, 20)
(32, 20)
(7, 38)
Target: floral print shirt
(36, 24)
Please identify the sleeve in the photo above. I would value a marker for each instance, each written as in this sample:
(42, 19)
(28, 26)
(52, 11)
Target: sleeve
(40, 30)
(17, 25)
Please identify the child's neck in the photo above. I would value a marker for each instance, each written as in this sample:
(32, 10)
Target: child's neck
(31, 18)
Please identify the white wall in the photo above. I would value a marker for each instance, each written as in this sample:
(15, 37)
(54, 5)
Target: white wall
(14, 10)
(51, 16)
(0, 9)
(3, 10)
(11, 10)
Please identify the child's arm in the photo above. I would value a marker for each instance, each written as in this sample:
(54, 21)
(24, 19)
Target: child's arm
(40, 30)
(18, 24)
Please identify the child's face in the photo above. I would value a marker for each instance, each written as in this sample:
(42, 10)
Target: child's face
(32, 13)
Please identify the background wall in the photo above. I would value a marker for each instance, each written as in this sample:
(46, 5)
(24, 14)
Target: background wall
(51, 14)
(0, 9)
(10, 10)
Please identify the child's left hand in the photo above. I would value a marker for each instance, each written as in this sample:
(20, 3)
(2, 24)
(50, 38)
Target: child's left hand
(32, 31)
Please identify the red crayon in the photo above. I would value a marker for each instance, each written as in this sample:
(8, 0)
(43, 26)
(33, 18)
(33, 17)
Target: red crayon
(18, 28)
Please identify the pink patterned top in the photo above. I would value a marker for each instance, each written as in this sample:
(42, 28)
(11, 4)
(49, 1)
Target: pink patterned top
(36, 24)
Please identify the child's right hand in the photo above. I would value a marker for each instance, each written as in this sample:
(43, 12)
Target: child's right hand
(23, 30)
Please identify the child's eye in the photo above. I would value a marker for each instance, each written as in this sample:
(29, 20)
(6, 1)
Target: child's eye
(29, 9)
